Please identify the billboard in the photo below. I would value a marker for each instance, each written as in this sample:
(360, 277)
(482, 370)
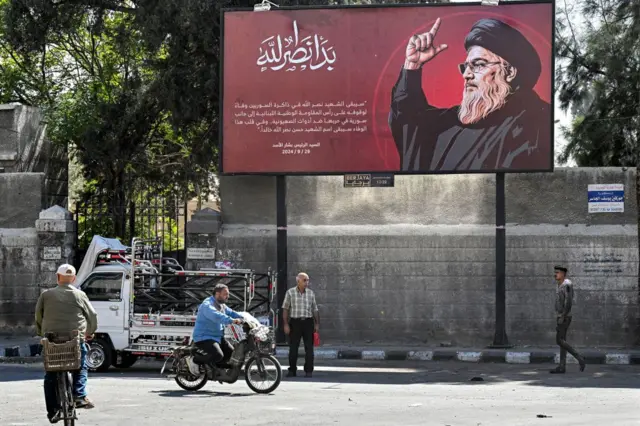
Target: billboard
(420, 89)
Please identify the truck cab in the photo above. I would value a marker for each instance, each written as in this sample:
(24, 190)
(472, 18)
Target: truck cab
(109, 290)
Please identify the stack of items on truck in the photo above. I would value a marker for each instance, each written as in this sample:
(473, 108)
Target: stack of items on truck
(147, 304)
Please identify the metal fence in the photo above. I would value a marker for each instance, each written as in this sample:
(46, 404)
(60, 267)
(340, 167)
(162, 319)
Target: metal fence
(145, 216)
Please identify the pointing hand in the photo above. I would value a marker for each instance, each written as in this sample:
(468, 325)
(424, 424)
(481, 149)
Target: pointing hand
(422, 48)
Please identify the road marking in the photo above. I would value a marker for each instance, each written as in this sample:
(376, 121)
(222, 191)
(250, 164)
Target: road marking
(373, 355)
(469, 356)
(420, 355)
(618, 359)
(518, 357)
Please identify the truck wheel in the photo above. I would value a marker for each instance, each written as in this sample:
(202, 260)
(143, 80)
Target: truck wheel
(127, 360)
(100, 355)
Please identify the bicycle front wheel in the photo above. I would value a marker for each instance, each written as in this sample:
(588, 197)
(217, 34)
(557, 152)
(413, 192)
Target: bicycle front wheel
(67, 403)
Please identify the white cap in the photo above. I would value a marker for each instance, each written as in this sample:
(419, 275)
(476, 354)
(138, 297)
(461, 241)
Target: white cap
(66, 270)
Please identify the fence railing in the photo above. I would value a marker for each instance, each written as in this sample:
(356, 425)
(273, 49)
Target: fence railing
(143, 217)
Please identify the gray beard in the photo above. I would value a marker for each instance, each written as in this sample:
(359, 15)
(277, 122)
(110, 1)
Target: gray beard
(477, 105)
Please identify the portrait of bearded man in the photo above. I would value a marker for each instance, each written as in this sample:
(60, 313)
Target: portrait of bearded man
(501, 123)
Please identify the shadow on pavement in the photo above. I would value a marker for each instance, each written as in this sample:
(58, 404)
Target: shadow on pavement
(200, 393)
(395, 373)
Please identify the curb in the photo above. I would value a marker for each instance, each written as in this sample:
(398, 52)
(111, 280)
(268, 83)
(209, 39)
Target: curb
(484, 356)
(30, 354)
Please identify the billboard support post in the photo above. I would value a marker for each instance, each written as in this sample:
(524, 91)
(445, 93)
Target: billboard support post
(281, 249)
(500, 339)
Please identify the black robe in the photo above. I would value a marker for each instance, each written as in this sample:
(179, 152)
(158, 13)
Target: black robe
(514, 137)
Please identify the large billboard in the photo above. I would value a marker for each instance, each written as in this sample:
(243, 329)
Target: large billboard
(418, 89)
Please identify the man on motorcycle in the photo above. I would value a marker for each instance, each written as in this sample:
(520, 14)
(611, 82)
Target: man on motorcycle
(208, 334)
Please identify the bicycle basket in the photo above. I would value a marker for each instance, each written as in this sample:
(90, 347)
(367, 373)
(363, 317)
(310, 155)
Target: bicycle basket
(61, 356)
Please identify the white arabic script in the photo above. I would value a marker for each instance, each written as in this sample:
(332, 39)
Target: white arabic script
(311, 52)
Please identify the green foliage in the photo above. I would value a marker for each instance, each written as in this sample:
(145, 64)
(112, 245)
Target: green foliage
(130, 86)
(599, 81)
(152, 214)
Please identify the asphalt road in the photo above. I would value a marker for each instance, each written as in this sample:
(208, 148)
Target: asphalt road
(350, 393)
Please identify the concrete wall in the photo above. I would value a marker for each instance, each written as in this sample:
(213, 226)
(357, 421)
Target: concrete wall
(29, 258)
(24, 148)
(21, 199)
(19, 271)
(416, 263)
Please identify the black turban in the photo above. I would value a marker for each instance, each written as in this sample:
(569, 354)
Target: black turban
(508, 43)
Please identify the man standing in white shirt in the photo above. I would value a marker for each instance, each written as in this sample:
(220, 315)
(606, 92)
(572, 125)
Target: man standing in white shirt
(301, 320)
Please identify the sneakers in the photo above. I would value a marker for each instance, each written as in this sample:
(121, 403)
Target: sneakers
(84, 403)
(194, 369)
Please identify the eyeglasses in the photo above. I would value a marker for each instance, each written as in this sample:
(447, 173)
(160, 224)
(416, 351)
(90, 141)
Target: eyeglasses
(475, 67)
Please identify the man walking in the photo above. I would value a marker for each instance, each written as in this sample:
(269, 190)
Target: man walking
(301, 320)
(63, 310)
(564, 302)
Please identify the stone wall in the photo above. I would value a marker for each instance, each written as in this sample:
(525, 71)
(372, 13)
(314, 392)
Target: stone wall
(24, 148)
(19, 275)
(29, 258)
(21, 199)
(416, 263)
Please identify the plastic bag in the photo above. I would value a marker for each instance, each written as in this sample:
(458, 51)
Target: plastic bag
(316, 339)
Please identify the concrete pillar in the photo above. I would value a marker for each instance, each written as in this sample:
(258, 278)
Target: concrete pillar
(202, 239)
(56, 238)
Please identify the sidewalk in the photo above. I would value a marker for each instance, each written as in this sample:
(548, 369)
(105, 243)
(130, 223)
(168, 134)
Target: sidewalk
(27, 349)
(523, 355)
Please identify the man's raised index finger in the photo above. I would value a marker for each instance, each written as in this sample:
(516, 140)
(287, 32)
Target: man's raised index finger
(434, 29)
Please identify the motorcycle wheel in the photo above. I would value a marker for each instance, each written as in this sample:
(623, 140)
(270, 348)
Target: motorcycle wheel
(188, 381)
(255, 362)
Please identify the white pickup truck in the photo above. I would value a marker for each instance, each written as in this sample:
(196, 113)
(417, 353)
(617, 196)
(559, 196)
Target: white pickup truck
(148, 306)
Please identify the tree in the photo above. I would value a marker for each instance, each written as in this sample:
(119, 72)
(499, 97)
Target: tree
(599, 80)
(131, 85)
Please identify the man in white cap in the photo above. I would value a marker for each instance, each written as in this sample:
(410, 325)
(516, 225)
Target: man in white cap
(63, 310)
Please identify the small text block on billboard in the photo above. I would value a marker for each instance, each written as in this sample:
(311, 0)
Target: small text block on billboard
(419, 89)
(606, 198)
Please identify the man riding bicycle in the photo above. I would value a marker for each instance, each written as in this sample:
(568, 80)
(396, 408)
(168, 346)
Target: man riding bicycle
(208, 333)
(62, 311)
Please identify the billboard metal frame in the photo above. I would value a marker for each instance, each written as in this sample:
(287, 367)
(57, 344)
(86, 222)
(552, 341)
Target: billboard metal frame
(398, 172)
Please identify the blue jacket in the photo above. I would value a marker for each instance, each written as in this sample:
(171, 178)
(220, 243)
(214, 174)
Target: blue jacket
(210, 322)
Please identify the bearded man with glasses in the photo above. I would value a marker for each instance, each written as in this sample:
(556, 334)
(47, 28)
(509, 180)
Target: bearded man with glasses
(501, 122)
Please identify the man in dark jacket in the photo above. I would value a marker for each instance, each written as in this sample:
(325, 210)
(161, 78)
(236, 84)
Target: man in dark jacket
(62, 311)
(501, 123)
(564, 302)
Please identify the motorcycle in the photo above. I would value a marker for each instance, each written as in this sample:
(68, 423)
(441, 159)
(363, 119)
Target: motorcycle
(254, 348)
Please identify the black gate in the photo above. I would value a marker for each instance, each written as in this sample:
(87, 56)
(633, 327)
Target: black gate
(143, 217)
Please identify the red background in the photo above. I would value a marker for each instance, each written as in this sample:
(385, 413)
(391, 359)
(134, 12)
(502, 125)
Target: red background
(369, 45)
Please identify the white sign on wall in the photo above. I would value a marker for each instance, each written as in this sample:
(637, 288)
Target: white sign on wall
(606, 198)
(52, 253)
(201, 253)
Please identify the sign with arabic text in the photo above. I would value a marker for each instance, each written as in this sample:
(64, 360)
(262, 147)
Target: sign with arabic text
(606, 198)
(420, 89)
(369, 180)
(201, 253)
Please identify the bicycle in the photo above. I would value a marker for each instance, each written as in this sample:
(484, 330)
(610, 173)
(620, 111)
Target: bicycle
(63, 356)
